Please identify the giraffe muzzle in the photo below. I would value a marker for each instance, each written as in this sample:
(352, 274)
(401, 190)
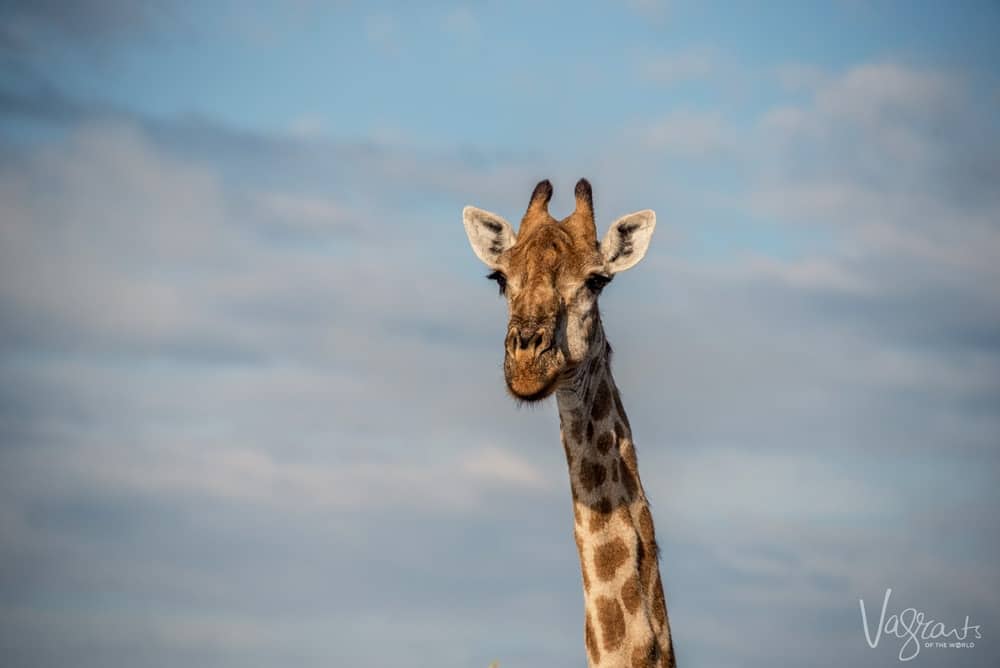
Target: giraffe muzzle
(531, 361)
(528, 341)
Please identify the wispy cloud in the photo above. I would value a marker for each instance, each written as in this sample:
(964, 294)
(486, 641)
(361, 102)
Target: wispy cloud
(251, 409)
(461, 23)
(693, 64)
(654, 10)
(691, 134)
(383, 33)
(32, 29)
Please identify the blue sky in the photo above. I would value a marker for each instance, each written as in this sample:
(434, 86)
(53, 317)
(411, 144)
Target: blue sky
(251, 408)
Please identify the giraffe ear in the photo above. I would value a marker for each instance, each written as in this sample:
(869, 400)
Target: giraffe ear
(489, 234)
(627, 240)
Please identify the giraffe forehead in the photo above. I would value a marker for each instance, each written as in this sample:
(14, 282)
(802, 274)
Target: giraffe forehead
(547, 250)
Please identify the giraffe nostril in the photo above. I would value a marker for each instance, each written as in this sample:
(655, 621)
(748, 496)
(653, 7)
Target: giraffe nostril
(531, 341)
(512, 339)
(538, 340)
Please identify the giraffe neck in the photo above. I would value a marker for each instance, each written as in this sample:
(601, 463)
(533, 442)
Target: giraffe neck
(626, 617)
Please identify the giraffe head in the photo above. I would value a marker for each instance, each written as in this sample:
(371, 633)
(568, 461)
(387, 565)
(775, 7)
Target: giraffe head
(552, 273)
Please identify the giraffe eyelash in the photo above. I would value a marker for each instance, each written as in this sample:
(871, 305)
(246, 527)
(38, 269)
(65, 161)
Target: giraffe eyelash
(500, 279)
(596, 282)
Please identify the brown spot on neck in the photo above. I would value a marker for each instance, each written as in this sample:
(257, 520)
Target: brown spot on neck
(592, 474)
(602, 402)
(629, 483)
(621, 431)
(591, 641)
(604, 442)
(616, 396)
(631, 595)
(612, 622)
(659, 610)
(646, 657)
(609, 557)
(583, 569)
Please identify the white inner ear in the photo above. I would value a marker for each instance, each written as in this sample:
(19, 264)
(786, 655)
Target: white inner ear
(489, 234)
(627, 240)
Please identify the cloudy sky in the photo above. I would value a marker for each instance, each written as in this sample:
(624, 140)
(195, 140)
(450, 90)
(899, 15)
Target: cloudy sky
(251, 406)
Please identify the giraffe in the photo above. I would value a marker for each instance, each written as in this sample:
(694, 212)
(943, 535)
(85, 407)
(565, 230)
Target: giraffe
(552, 273)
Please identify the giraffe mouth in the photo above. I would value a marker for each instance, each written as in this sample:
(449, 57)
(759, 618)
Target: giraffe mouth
(535, 378)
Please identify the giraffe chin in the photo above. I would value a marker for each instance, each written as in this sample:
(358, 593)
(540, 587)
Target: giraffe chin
(533, 381)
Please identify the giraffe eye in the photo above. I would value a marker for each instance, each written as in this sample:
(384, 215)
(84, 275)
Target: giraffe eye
(596, 282)
(500, 279)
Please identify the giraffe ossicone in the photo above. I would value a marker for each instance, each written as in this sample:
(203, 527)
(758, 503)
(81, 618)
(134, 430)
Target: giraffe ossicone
(552, 273)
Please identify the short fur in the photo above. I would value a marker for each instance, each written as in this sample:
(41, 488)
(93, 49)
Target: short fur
(552, 273)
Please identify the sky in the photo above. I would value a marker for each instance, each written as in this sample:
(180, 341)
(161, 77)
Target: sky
(251, 403)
